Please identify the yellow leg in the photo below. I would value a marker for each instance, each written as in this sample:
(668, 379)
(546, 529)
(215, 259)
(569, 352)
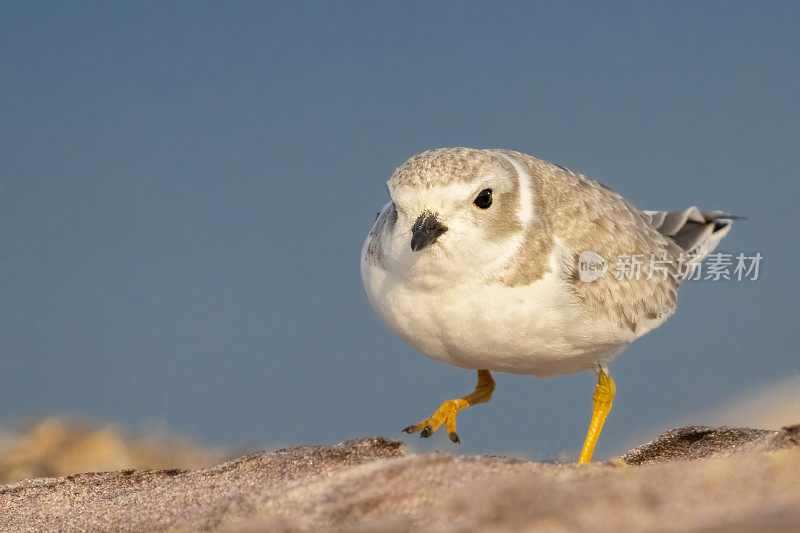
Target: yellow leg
(448, 411)
(603, 398)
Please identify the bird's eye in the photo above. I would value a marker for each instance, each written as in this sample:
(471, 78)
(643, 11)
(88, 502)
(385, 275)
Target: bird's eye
(484, 199)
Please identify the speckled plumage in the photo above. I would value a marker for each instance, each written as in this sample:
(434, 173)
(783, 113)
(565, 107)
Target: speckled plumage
(445, 165)
(586, 215)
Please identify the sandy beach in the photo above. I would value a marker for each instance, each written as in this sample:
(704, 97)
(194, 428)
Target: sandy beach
(689, 479)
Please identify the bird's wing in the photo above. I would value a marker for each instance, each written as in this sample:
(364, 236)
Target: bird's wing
(696, 232)
(639, 289)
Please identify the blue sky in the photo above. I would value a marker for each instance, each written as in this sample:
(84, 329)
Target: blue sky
(185, 187)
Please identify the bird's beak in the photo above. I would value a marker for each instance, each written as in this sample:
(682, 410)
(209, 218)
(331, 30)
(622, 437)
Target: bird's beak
(425, 231)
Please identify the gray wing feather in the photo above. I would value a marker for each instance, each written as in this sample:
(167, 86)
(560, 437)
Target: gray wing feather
(695, 231)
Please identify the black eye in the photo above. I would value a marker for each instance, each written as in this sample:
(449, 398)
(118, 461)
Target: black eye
(484, 199)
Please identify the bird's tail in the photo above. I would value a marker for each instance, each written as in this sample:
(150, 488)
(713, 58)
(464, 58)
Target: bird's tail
(696, 232)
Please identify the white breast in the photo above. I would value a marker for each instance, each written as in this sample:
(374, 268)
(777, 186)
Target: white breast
(533, 329)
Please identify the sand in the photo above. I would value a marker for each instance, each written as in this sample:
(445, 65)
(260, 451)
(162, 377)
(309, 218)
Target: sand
(60, 446)
(690, 479)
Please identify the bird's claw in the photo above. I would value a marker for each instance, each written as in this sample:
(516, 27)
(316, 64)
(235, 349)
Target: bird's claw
(445, 414)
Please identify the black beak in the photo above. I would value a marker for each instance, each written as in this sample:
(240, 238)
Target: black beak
(425, 231)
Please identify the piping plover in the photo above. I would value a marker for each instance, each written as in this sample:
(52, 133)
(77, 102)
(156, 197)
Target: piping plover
(494, 260)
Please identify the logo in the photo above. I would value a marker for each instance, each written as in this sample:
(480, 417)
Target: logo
(591, 266)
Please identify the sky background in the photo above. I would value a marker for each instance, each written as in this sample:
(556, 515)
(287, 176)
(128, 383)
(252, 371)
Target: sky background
(185, 189)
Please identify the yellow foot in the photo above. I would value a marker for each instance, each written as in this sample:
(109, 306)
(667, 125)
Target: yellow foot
(445, 414)
(448, 412)
(603, 398)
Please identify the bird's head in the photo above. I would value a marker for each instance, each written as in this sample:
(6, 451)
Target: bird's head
(458, 209)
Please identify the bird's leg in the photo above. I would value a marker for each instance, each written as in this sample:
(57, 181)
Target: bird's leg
(448, 411)
(603, 398)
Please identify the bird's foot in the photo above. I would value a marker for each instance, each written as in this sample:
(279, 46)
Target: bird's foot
(603, 398)
(446, 414)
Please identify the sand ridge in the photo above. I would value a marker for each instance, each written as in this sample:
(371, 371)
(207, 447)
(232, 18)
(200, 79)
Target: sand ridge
(690, 479)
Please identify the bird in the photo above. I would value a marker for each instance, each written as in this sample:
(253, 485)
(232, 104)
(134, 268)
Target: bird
(496, 261)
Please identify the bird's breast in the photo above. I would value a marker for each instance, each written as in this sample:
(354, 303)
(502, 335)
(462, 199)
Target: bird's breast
(531, 329)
